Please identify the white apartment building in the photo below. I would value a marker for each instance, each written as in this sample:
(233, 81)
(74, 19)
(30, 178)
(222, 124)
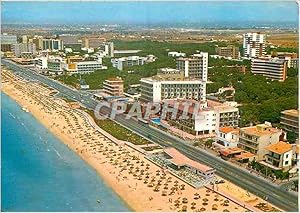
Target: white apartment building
(176, 54)
(56, 66)
(271, 68)
(156, 89)
(279, 156)
(41, 63)
(227, 137)
(107, 49)
(208, 119)
(20, 48)
(121, 63)
(194, 67)
(254, 44)
(89, 66)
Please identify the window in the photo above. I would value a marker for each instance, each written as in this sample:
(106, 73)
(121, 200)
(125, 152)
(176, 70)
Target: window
(286, 162)
(287, 155)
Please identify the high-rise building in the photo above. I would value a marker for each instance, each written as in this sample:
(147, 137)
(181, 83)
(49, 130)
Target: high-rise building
(38, 41)
(157, 88)
(254, 44)
(194, 67)
(229, 51)
(24, 39)
(20, 48)
(271, 68)
(107, 48)
(52, 44)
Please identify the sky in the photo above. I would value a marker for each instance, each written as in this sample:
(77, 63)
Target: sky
(145, 13)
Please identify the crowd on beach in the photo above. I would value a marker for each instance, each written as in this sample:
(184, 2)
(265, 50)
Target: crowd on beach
(142, 185)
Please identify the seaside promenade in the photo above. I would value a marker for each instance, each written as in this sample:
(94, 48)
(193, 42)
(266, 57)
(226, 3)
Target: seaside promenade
(142, 184)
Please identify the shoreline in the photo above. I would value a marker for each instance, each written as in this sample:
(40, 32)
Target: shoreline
(129, 189)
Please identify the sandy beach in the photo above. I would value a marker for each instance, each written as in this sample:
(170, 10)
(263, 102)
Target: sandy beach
(140, 183)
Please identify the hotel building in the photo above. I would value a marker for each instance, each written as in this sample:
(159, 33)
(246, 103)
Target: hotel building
(52, 44)
(208, 119)
(254, 44)
(289, 120)
(255, 139)
(228, 52)
(158, 88)
(271, 68)
(113, 86)
(194, 67)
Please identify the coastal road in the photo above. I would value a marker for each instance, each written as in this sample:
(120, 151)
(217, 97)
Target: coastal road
(279, 197)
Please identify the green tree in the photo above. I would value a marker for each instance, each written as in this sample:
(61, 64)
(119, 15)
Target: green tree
(291, 137)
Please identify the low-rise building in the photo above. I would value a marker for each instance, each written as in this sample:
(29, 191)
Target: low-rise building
(89, 66)
(289, 120)
(121, 63)
(255, 139)
(294, 63)
(271, 68)
(227, 136)
(279, 156)
(176, 54)
(114, 86)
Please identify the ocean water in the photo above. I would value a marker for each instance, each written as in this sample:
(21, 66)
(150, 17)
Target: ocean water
(39, 173)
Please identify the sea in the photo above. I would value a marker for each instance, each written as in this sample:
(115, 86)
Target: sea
(40, 173)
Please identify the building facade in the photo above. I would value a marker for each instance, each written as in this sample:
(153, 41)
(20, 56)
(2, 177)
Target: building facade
(226, 137)
(121, 63)
(52, 44)
(289, 120)
(255, 139)
(271, 68)
(228, 52)
(20, 48)
(194, 67)
(114, 86)
(155, 90)
(279, 156)
(254, 44)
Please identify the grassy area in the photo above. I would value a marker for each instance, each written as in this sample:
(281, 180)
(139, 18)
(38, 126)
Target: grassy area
(151, 148)
(118, 131)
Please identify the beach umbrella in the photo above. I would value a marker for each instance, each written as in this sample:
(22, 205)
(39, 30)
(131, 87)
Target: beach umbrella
(214, 206)
(225, 210)
(203, 209)
(184, 208)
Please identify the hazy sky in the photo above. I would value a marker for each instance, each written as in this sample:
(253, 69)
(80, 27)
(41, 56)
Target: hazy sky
(148, 12)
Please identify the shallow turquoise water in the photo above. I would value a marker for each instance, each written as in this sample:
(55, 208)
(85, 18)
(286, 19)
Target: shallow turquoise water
(39, 173)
